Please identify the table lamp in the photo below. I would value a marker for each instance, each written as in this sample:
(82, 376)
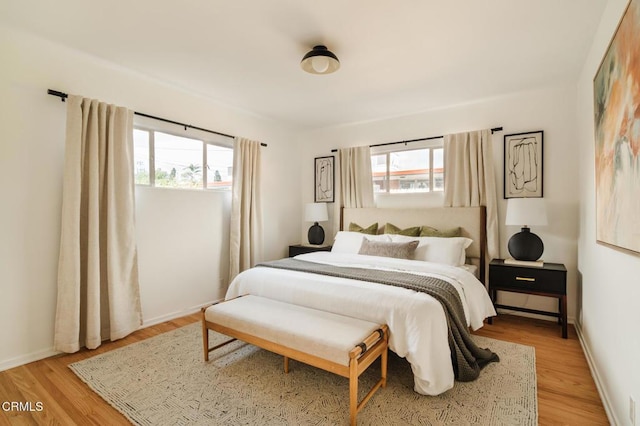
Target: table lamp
(525, 245)
(315, 212)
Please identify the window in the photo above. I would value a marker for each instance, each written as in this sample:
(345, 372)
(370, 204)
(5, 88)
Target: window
(163, 159)
(418, 169)
(219, 166)
(141, 156)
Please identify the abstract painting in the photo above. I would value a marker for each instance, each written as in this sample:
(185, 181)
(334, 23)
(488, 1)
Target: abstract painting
(523, 165)
(323, 181)
(616, 88)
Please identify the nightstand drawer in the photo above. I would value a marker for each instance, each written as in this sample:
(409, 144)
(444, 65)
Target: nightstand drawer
(531, 279)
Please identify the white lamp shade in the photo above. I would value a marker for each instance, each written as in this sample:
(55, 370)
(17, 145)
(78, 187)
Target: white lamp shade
(315, 212)
(526, 211)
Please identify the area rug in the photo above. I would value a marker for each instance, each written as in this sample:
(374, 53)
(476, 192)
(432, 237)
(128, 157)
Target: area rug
(164, 381)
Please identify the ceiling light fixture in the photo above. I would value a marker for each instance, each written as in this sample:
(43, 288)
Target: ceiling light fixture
(320, 60)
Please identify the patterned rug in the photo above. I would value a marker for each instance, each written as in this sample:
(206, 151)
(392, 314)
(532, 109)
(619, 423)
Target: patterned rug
(164, 381)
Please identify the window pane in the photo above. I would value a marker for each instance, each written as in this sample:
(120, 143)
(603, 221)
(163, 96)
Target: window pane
(219, 167)
(379, 172)
(409, 171)
(178, 161)
(141, 156)
(438, 169)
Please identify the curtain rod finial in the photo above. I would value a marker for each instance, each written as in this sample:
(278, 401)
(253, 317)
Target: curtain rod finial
(61, 95)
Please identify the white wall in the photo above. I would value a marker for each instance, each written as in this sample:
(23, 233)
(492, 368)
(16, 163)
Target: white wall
(183, 256)
(609, 307)
(551, 110)
(183, 235)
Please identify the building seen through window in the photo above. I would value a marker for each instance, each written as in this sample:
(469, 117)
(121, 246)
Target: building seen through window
(408, 171)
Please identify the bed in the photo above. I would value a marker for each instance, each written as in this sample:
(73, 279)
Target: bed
(417, 322)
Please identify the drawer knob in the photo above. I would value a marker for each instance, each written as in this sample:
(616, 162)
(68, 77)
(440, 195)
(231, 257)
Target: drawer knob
(525, 279)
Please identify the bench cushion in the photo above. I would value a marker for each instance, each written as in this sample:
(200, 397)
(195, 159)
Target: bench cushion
(324, 334)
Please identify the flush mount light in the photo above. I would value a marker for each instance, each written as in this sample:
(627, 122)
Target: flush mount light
(320, 60)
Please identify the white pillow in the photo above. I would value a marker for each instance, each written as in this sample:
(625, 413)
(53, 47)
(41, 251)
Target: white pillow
(451, 251)
(350, 242)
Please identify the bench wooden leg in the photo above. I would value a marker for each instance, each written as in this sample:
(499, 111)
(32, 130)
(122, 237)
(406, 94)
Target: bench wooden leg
(205, 338)
(286, 364)
(383, 366)
(353, 391)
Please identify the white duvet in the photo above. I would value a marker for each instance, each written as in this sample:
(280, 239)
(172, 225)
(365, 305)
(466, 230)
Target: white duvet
(417, 323)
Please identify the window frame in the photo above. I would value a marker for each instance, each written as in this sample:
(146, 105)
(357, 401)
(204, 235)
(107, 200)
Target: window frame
(205, 138)
(430, 145)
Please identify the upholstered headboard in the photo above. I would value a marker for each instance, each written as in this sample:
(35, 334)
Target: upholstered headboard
(472, 220)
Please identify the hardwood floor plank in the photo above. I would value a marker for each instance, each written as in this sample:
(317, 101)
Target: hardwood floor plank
(566, 392)
(44, 408)
(9, 392)
(72, 395)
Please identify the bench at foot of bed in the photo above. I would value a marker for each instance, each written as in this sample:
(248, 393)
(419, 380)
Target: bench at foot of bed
(339, 344)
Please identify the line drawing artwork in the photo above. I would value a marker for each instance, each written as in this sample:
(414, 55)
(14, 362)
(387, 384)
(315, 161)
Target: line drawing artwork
(324, 179)
(523, 165)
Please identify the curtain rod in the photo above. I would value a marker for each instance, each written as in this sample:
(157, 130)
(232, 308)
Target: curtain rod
(495, 129)
(64, 96)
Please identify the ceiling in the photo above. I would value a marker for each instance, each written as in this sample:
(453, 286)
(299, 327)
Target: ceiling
(397, 58)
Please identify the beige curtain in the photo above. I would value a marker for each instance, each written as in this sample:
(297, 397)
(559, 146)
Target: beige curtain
(354, 186)
(245, 245)
(469, 179)
(98, 290)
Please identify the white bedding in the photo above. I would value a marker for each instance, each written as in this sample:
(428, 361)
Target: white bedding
(417, 323)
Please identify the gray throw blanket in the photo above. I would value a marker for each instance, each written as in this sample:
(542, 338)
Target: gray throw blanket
(467, 358)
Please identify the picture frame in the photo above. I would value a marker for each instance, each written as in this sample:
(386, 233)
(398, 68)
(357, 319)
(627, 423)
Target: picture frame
(617, 176)
(523, 165)
(324, 179)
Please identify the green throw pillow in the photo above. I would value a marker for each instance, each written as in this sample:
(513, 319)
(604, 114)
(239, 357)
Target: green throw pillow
(414, 231)
(428, 231)
(371, 230)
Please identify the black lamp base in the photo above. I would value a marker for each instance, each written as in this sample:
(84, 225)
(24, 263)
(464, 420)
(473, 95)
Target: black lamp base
(316, 234)
(525, 245)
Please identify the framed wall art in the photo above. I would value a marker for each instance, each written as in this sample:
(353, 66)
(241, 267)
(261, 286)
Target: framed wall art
(617, 136)
(523, 165)
(324, 179)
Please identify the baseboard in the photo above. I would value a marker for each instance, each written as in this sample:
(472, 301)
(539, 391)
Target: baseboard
(46, 353)
(26, 359)
(178, 314)
(596, 377)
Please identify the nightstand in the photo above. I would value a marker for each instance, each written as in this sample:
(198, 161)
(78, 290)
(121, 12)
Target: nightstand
(550, 280)
(302, 249)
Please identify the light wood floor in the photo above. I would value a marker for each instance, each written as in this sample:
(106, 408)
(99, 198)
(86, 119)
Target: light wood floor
(566, 392)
